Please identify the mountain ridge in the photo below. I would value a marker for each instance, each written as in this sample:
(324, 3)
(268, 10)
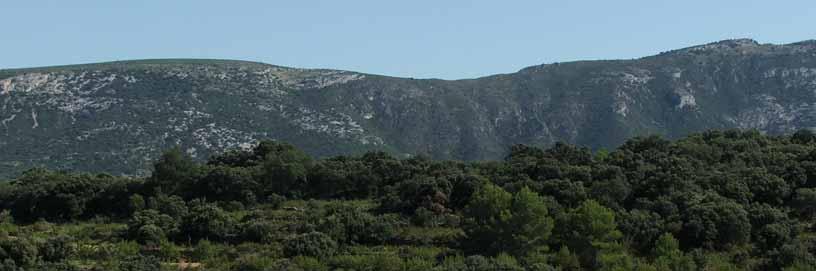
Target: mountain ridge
(188, 61)
(117, 116)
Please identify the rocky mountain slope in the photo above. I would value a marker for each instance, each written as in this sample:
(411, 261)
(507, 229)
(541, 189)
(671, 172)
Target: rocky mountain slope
(117, 116)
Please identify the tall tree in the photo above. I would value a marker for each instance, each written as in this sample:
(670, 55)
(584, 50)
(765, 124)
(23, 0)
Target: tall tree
(497, 221)
(174, 172)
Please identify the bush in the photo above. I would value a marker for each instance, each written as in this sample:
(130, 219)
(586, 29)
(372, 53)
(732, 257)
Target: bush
(800, 266)
(150, 235)
(173, 206)
(804, 201)
(125, 249)
(352, 225)
(151, 226)
(309, 264)
(253, 263)
(136, 203)
(313, 244)
(208, 221)
(716, 223)
(140, 263)
(497, 221)
(20, 250)
(9, 265)
(501, 262)
(258, 231)
(386, 262)
(417, 264)
(56, 196)
(164, 250)
(232, 206)
(275, 200)
(429, 236)
(46, 266)
(56, 249)
(202, 251)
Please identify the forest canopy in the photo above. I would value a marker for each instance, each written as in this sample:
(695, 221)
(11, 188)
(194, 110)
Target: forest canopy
(718, 200)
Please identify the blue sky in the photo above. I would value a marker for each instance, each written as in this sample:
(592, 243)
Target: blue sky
(417, 38)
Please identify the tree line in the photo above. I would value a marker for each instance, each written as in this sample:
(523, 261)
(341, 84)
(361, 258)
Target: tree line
(717, 200)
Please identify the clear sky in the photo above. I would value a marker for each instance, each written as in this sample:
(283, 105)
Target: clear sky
(416, 38)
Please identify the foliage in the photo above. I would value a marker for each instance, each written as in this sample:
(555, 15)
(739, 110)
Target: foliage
(497, 221)
(348, 224)
(208, 221)
(313, 244)
(139, 263)
(56, 249)
(43, 194)
(727, 200)
(150, 226)
(592, 232)
(668, 255)
(22, 251)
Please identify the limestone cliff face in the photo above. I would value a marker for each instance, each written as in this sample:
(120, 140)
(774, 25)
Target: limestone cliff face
(118, 116)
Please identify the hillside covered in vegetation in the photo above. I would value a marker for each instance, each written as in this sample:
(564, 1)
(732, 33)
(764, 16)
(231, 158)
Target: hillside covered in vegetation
(118, 117)
(718, 200)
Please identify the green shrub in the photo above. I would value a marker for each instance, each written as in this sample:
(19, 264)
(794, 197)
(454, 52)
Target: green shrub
(386, 262)
(504, 261)
(139, 263)
(500, 262)
(498, 221)
(61, 266)
(56, 249)
(208, 221)
(168, 251)
(150, 235)
(800, 266)
(453, 262)
(348, 262)
(128, 248)
(429, 236)
(9, 265)
(20, 250)
(425, 253)
(136, 203)
(309, 264)
(150, 226)
(271, 250)
(173, 206)
(202, 251)
(253, 263)
(275, 200)
(258, 231)
(232, 206)
(313, 244)
(352, 225)
(417, 264)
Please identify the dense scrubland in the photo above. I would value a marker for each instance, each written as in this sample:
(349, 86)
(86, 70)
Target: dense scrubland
(719, 200)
